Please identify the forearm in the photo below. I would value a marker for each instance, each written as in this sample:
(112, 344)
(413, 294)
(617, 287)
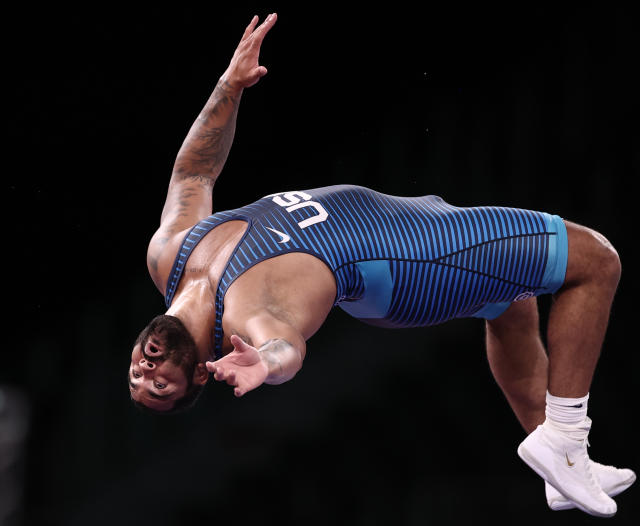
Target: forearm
(283, 360)
(206, 147)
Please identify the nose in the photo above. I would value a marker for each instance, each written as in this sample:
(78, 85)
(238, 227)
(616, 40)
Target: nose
(146, 365)
(151, 349)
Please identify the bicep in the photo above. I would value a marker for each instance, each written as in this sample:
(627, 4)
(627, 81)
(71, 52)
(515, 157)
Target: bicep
(265, 327)
(187, 202)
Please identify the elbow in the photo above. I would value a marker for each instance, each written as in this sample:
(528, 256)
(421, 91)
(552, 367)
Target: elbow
(284, 361)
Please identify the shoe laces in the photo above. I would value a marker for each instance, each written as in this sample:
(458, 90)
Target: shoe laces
(587, 462)
(579, 433)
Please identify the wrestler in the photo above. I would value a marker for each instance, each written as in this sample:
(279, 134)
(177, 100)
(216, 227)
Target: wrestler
(246, 288)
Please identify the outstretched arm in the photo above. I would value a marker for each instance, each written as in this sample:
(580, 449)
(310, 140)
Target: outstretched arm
(276, 358)
(206, 147)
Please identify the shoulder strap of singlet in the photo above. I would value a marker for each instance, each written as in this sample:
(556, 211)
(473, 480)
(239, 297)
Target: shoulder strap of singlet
(190, 241)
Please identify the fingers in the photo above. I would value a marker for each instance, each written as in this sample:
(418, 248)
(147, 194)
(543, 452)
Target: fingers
(221, 374)
(250, 28)
(259, 34)
(268, 23)
(229, 377)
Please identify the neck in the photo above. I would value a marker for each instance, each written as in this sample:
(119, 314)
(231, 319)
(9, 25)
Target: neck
(195, 306)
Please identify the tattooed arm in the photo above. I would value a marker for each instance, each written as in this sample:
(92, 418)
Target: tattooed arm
(202, 157)
(206, 147)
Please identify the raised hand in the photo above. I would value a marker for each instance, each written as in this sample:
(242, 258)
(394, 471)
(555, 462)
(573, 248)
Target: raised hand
(242, 368)
(244, 69)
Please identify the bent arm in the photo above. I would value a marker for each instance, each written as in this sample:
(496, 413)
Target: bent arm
(276, 358)
(283, 360)
(281, 346)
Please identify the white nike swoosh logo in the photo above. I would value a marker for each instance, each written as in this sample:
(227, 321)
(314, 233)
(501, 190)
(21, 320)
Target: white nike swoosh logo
(285, 237)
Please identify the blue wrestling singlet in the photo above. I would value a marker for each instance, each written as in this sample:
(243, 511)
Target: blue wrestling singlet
(397, 261)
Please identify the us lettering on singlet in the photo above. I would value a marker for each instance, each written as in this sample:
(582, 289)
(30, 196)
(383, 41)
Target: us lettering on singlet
(291, 201)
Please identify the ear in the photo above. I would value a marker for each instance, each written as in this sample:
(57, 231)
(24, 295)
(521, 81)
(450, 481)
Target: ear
(200, 374)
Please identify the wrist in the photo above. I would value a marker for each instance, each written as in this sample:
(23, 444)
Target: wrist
(231, 84)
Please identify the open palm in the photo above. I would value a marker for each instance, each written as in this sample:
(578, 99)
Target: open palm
(244, 69)
(242, 368)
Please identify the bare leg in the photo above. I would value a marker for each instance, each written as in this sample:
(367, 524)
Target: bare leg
(520, 366)
(519, 362)
(557, 450)
(577, 325)
(580, 313)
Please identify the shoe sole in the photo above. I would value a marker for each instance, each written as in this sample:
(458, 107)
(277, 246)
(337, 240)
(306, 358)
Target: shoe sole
(533, 464)
(562, 505)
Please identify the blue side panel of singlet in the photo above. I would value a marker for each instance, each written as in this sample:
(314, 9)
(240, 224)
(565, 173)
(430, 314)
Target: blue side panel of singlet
(440, 261)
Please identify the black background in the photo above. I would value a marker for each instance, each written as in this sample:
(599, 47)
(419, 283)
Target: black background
(481, 103)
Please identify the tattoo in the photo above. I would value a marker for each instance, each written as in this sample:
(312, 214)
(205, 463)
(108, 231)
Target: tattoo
(155, 256)
(207, 145)
(221, 97)
(169, 228)
(153, 262)
(194, 269)
(183, 201)
(272, 351)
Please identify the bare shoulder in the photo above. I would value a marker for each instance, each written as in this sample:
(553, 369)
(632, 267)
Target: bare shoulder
(208, 257)
(161, 254)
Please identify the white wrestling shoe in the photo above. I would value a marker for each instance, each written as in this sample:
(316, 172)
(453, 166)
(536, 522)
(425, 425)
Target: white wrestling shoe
(612, 480)
(558, 453)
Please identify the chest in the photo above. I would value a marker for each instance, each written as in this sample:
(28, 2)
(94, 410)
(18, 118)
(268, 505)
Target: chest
(211, 255)
(296, 288)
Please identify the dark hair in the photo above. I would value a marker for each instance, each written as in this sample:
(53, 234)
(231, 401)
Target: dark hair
(182, 351)
(180, 345)
(181, 405)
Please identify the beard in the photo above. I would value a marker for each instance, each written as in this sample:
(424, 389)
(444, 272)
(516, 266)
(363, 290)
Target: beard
(178, 344)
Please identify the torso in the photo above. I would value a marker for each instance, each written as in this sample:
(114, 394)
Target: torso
(304, 302)
(398, 262)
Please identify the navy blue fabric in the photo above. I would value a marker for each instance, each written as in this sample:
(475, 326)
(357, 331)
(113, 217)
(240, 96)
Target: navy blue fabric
(444, 261)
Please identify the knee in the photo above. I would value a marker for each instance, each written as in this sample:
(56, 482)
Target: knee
(607, 260)
(593, 259)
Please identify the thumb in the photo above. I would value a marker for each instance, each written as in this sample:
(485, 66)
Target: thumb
(238, 343)
(257, 74)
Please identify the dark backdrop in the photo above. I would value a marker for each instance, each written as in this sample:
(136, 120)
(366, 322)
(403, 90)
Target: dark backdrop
(479, 103)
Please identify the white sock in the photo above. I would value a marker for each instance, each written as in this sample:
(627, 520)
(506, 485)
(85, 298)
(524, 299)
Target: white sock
(567, 411)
